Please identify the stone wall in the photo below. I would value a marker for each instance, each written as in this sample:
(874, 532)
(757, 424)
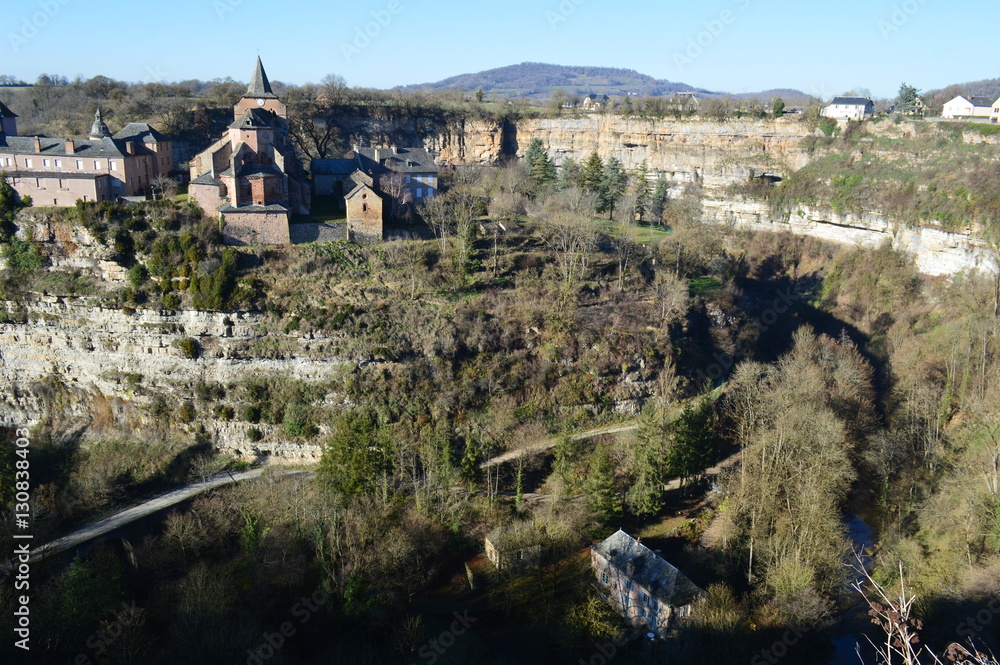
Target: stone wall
(256, 228)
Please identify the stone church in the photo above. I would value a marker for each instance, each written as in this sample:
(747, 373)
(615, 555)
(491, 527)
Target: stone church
(251, 177)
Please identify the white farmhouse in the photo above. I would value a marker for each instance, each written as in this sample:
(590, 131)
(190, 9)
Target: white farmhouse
(995, 116)
(851, 108)
(968, 107)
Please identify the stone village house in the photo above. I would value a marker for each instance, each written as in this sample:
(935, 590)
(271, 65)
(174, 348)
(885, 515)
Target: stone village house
(646, 590)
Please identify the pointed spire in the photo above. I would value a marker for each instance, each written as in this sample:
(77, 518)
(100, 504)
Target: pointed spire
(259, 85)
(99, 130)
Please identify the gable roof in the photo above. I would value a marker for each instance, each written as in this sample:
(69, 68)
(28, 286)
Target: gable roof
(25, 145)
(259, 85)
(647, 569)
(850, 101)
(6, 112)
(981, 101)
(398, 160)
(253, 119)
(139, 131)
(333, 166)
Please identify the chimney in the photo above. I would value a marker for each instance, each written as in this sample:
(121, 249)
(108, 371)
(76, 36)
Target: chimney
(70, 146)
(395, 149)
(38, 144)
(130, 147)
(356, 147)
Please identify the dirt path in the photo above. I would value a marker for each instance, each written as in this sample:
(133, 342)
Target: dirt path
(156, 504)
(547, 444)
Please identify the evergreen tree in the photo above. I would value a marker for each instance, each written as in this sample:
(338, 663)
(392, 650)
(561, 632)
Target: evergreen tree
(540, 167)
(692, 442)
(614, 182)
(906, 100)
(645, 496)
(642, 190)
(661, 199)
(593, 173)
(778, 108)
(600, 486)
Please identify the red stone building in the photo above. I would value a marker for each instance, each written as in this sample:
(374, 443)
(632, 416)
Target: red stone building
(251, 177)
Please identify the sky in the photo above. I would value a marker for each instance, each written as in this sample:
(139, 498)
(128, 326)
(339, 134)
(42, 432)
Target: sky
(821, 48)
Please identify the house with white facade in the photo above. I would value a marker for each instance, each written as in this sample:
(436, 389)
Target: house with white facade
(995, 115)
(968, 107)
(850, 108)
(646, 590)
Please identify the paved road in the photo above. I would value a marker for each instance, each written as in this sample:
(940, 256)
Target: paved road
(154, 505)
(548, 444)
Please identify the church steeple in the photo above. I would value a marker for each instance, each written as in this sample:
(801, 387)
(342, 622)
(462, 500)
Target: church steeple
(259, 86)
(99, 130)
(259, 95)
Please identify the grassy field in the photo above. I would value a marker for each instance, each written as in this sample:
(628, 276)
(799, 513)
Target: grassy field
(324, 209)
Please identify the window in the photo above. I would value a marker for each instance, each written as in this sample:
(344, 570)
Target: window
(27, 163)
(420, 193)
(45, 163)
(604, 578)
(79, 164)
(38, 183)
(58, 163)
(6, 161)
(114, 165)
(97, 165)
(643, 598)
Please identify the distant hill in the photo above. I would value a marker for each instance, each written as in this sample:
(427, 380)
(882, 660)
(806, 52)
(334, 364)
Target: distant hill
(538, 81)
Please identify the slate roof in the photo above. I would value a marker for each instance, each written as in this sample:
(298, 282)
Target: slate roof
(253, 119)
(647, 569)
(850, 101)
(206, 179)
(981, 101)
(6, 112)
(248, 170)
(404, 160)
(274, 207)
(25, 145)
(140, 132)
(62, 175)
(259, 85)
(334, 166)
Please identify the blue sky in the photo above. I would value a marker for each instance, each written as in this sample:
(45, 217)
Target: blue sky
(727, 45)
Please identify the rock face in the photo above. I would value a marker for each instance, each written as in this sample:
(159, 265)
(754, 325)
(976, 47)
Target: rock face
(716, 155)
(113, 354)
(936, 252)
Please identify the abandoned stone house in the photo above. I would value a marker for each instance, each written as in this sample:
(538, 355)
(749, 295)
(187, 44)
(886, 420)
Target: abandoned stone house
(641, 586)
(514, 546)
(102, 167)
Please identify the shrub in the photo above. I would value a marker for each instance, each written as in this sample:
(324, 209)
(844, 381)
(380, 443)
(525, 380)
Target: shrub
(254, 435)
(188, 347)
(251, 414)
(224, 412)
(22, 257)
(186, 413)
(171, 301)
